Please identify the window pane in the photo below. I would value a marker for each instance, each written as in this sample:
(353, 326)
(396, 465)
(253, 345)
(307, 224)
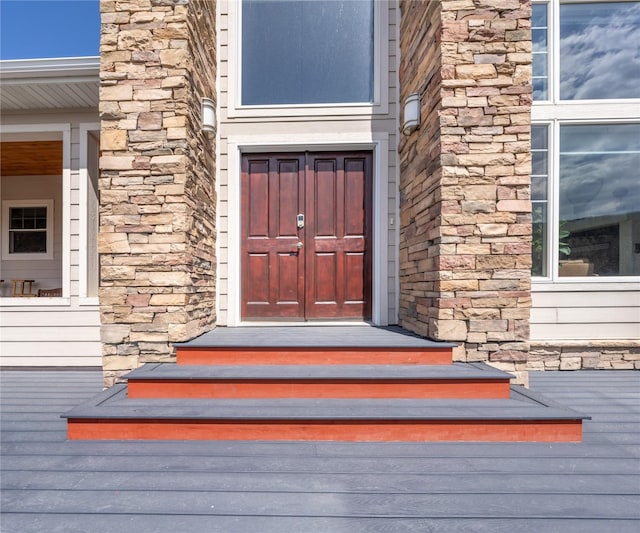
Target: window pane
(599, 45)
(599, 200)
(27, 242)
(28, 217)
(307, 52)
(539, 246)
(539, 31)
(28, 230)
(539, 195)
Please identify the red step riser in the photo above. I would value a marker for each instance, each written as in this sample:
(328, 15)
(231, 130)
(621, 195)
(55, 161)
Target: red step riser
(360, 431)
(445, 389)
(310, 356)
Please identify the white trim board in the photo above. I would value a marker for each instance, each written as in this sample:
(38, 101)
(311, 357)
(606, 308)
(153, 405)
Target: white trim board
(377, 142)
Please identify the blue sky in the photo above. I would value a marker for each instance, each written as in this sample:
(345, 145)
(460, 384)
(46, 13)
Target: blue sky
(49, 28)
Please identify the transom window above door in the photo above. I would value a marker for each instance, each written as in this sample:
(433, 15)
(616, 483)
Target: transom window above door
(307, 52)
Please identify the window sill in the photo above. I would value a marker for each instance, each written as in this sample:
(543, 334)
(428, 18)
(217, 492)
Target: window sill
(308, 110)
(587, 284)
(33, 301)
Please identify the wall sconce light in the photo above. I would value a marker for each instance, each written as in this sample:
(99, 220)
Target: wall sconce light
(411, 114)
(208, 116)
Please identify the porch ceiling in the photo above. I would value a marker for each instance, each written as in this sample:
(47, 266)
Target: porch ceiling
(39, 84)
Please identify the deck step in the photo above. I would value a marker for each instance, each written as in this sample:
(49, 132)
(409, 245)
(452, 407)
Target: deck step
(167, 380)
(313, 345)
(351, 383)
(522, 417)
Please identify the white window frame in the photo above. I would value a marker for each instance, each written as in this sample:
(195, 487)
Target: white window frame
(6, 224)
(555, 113)
(379, 105)
(553, 204)
(85, 130)
(378, 143)
(553, 58)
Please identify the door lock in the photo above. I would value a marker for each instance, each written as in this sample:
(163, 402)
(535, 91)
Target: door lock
(300, 221)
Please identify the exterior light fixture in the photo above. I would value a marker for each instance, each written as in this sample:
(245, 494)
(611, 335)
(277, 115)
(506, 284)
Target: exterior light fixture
(411, 114)
(208, 116)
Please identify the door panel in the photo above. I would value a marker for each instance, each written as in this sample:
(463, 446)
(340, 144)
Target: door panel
(322, 270)
(337, 241)
(272, 267)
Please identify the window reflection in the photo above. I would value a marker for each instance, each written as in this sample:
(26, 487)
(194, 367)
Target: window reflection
(599, 200)
(599, 45)
(539, 199)
(307, 52)
(539, 34)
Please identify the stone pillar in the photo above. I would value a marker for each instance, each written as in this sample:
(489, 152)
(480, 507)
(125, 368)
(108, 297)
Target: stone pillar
(157, 171)
(465, 211)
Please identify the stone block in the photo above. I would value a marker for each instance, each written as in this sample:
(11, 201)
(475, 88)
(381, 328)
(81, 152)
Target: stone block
(113, 140)
(114, 333)
(570, 363)
(449, 330)
(116, 162)
(174, 57)
(120, 363)
(516, 206)
(169, 279)
(508, 356)
(476, 71)
(168, 299)
(117, 273)
(488, 325)
(116, 92)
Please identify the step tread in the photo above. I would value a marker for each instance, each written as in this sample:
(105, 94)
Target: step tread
(456, 371)
(114, 404)
(360, 336)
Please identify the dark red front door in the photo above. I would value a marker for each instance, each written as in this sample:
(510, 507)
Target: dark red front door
(306, 235)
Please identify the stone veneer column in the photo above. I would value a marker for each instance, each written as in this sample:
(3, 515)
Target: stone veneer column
(465, 237)
(157, 190)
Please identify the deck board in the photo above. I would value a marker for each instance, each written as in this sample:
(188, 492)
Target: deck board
(313, 336)
(54, 485)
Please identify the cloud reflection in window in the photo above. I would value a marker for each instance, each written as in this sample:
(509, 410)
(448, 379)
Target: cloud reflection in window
(600, 50)
(599, 171)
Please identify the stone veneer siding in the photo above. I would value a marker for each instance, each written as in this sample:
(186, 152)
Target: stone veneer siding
(465, 211)
(584, 355)
(157, 179)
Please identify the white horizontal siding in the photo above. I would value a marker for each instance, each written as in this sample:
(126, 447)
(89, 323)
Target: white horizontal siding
(33, 354)
(580, 314)
(52, 331)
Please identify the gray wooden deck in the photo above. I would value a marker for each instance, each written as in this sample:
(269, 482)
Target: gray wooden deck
(51, 485)
(315, 336)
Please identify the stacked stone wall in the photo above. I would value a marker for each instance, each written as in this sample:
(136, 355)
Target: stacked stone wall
(466, 240)
(586, 355)
(420, 167)
(157, 189)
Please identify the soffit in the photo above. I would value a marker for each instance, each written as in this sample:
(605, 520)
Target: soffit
(41, 84)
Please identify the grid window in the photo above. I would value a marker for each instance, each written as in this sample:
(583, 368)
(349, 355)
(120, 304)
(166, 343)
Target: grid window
(28, 230)
(585, 179)
(539, 35)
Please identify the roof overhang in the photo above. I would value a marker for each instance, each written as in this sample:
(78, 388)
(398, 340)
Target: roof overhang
(46, 84)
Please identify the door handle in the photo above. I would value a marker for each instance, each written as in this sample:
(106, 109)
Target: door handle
(299, 245)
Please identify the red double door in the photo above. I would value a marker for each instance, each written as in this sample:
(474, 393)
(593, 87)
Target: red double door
(306, 235)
